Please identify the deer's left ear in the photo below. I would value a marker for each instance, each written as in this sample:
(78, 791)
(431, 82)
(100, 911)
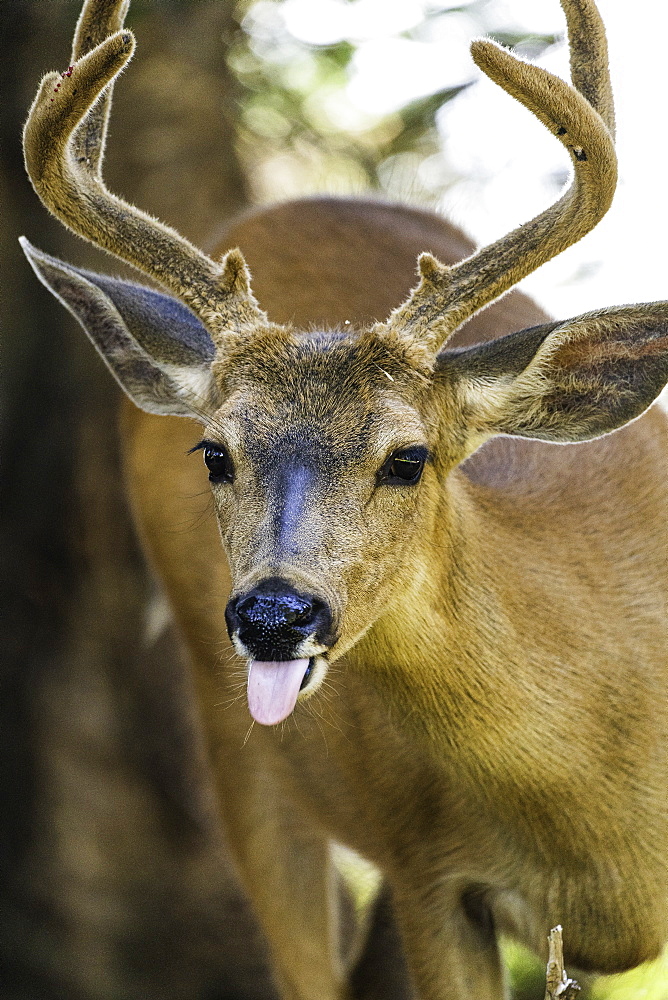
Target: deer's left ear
(569, 381)
(156, 349)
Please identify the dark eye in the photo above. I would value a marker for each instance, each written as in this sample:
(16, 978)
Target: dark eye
(219, 463)
(404, 467)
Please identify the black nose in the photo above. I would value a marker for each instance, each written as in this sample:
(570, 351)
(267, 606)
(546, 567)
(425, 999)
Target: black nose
(272, 619)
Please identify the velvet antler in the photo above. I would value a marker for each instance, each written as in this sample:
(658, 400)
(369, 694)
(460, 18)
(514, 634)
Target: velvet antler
(582, 118)
(64, 141)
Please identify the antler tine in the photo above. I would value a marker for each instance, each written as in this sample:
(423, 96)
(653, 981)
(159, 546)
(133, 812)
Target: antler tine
(64, 140)
(96, 22)
(589, 58)
(582, 118)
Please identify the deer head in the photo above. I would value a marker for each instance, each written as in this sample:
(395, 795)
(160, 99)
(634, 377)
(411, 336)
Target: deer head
(331, 453)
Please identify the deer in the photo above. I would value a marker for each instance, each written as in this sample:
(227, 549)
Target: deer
(440, 599)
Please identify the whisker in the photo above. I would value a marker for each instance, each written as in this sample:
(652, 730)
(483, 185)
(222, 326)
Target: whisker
(319, 720)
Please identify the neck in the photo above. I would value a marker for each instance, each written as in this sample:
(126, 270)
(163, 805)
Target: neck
(441, 653)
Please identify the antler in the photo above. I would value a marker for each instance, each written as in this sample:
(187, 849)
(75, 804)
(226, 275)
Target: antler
(64, 140)
(582, 118)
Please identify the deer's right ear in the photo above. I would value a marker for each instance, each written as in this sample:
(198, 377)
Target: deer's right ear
(156, 349)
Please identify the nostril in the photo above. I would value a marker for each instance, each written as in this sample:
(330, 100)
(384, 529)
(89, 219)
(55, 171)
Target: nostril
(245, 610)
(274, 610)
(300, 616)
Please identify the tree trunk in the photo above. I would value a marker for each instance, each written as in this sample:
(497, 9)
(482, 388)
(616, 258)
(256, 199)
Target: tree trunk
(114, 880)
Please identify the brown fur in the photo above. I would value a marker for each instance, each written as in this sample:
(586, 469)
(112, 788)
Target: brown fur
(488, 725)
(501, 729)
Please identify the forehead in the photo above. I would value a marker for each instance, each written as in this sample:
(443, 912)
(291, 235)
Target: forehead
(321, 394)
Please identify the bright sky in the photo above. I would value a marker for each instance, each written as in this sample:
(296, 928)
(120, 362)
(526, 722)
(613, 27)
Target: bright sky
(512, 159)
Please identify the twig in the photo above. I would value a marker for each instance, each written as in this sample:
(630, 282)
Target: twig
(558, 986)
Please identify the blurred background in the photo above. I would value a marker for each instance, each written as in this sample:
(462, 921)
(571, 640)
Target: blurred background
(114, 881)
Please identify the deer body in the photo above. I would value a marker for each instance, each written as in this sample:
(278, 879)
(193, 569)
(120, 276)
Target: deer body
(442, 754)
(463, 635)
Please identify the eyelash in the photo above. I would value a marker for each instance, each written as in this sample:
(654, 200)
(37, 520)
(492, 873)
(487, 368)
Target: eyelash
(217, 460)
(221, 469)
(391, 474)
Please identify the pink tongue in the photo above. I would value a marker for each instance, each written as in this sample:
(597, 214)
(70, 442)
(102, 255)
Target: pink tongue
(273, 687)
